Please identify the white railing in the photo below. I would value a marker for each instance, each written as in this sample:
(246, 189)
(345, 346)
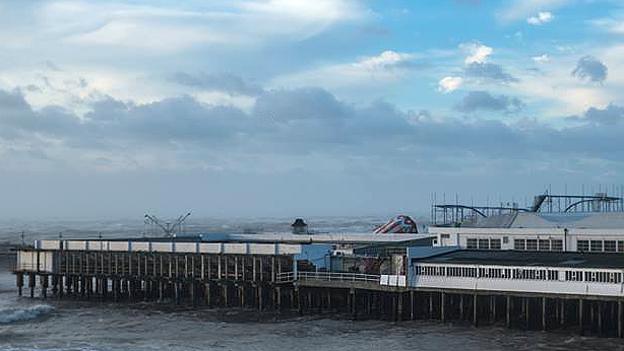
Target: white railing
(328, 276)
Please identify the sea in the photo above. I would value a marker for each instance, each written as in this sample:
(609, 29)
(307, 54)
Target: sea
(36, 324)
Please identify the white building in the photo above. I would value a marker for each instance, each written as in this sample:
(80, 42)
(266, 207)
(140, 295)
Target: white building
(530, 231)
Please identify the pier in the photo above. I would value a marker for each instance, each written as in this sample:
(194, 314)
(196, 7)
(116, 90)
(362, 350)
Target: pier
(572, 291)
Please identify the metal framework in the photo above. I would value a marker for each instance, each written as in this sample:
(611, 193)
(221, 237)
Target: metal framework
(456, 214)
(169, 229)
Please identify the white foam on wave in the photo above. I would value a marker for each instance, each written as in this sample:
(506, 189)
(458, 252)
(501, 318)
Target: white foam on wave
(15, 315)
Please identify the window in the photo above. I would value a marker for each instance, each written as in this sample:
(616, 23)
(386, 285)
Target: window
(445, 236)
(582, 245)
(519, 244)
(471, 243)
(505, 240)
(609, 245)
(556, 245)
(595, 245)
(531, 244)
(484, 244)
(544, 245)
(574, 276)
(495, 244)
(620, 245)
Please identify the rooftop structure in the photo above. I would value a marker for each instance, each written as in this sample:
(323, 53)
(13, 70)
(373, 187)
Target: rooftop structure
(462, 215)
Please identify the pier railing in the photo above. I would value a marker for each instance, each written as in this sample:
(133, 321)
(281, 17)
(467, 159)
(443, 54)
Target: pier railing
(328, 276)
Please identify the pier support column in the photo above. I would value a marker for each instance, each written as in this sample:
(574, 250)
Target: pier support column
(278, 298)
(527, 312)
(562, 307)
(192, 291)
(442, 307)
(329, 300)
(508, 312)
(430, 305)
(353, 304)
(544, 315)
(54, 284)
(492, 309)
(226, 301)
(619, 319)
(44, 286)
(299, 306)
(399, 306)
(412, 307)
(600, 306)
(31, 284)
(461, 306)
(19, 282)
(259, 293)
(475, 310)
(241, 295)
(207, 295)
(580, 316)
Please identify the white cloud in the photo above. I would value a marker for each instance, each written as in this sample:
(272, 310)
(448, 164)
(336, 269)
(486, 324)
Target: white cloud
(543, 58)
(389, 66)
(477, 52)
(540, 18)
(520, 9)
(386, 59)
(449, 84)
(171, 27)
(610, 25)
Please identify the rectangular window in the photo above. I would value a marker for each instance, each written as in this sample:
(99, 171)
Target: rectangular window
(620, 247)
(544, 245)
(609, 246)
(556, 245)
(471, 243)
(595, 245)
(484, 244)
(519, 244)
(582, 245)
(445, 236)
(531, 244)
(495, 244)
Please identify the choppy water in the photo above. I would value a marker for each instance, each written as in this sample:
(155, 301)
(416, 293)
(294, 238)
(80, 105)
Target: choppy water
(27, 324)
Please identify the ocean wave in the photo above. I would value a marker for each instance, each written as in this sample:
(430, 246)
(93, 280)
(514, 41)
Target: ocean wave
(16, 315)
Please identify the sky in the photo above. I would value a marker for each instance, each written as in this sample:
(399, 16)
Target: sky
(111, 109)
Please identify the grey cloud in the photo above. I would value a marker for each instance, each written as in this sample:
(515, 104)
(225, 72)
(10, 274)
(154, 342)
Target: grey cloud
(489, 71)
(591, 69)
(308, 121)
(610, 115)
(303, 103)
(229, 83)
(482, 100)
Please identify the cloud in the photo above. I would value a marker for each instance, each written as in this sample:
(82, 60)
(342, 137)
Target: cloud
(477, 52)
(169, 28)
(226, 82)
(296, 131)
(610, 115)
(591, 69)
(388, 66)
(489, 71)
(543, 58)
(449, 84)
(483, 101)
(515, 10)
(540, 18)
